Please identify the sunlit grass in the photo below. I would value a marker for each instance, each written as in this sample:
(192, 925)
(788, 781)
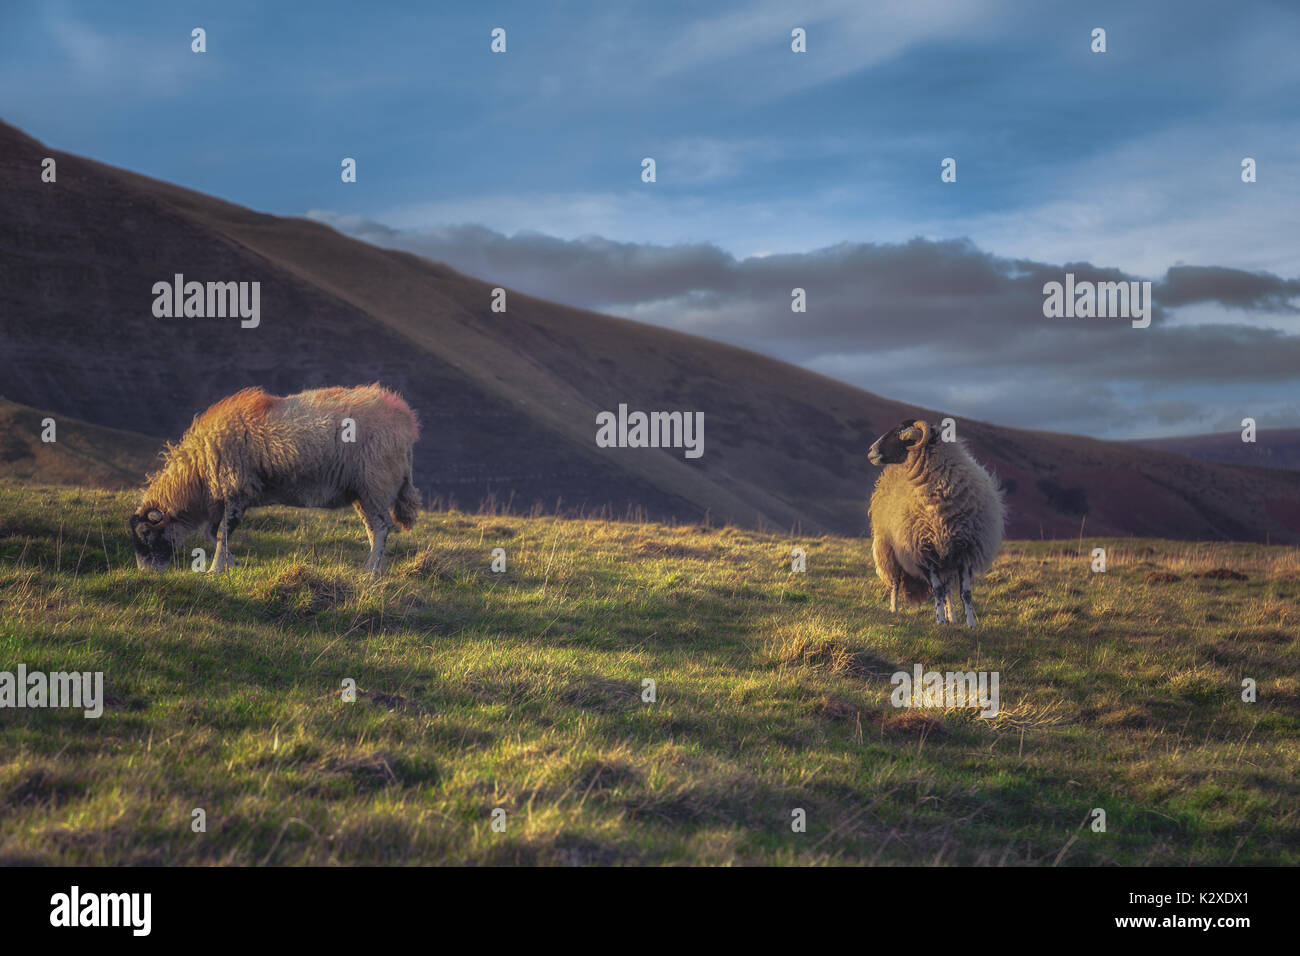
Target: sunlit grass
(523, 691)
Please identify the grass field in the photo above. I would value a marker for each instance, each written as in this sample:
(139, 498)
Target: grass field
(523, 691)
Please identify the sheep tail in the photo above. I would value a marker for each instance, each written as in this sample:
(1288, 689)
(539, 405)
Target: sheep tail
(407, 507)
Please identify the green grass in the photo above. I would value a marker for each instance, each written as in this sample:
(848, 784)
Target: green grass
(522, 691)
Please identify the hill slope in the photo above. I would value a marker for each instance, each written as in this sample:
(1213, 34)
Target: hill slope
(508, 400)
(80, 453)
(1272, 448)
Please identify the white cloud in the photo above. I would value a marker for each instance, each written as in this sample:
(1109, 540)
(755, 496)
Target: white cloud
(1169, 197)
(844, 37)
(121, 62)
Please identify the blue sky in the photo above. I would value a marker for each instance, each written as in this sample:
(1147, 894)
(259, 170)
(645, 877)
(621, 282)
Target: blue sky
(525, 167)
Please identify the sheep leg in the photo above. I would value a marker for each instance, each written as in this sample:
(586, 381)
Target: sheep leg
(887, 568)
(370, 532)
(210, 532)
(377, 525)
(966, 601)
(940, 588)
(950, 605)
(230, 517)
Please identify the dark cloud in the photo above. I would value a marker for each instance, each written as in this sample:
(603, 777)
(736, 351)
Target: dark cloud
(941, 323)
(1231, 287)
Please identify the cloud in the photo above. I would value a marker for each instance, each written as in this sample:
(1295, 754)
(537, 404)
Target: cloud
(939, 323)
(704, 160)
(119, 61)
(1234, 288)
(843, 37)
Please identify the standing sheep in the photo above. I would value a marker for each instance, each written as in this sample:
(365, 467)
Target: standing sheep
(936, 517)
(325, 448)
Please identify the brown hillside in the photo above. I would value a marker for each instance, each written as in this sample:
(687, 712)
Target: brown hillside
(81, 453)
(508, 400)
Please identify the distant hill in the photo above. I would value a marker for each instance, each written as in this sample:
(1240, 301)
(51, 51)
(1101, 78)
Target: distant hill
(508, 400)
(1274, 448)
(81, 453)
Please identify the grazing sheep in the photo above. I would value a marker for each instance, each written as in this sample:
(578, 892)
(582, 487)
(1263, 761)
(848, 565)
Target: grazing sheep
(253, 448)
(936, 517)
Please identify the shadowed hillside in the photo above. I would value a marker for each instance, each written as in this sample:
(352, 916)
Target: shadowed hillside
(508, 400)
(1273, 448)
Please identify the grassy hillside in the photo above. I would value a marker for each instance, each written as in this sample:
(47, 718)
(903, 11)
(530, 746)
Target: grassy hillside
(522, 691)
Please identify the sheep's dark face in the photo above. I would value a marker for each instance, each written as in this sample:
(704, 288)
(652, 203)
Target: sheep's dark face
(895, 445)
(152, 538)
